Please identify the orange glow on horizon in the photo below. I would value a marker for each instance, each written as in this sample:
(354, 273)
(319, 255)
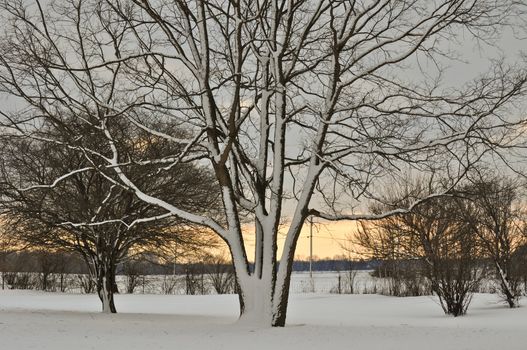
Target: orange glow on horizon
(328, 239)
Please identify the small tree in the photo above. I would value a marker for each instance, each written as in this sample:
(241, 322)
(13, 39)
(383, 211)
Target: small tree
(495, 216)
(436, 234)
(220, 273)
(60, 215)
(7, 246)
(397, 253)
(451, 252)
(349, 268)
(46, 265)
(133, 270)
(520, 263)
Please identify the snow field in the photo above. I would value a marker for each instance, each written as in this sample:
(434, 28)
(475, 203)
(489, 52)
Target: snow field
(36, 320)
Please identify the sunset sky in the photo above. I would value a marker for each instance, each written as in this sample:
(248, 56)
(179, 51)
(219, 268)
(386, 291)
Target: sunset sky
(328, 237)
(327, 240)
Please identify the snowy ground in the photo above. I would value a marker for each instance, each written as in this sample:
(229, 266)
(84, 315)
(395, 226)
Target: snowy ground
(33, 320)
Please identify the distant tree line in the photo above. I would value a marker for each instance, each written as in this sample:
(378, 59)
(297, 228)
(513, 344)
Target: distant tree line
(335, 264)
(63, 271)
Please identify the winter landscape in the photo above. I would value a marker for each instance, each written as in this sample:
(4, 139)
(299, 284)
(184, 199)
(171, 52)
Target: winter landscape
(235, 174)
(37, 320)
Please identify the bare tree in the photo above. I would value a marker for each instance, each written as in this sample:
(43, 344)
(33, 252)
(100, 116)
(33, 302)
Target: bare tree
(496, 217)
(398, 249)
(452, 255)
(8, 244)
(437, 239)
(220, 273)
(520, 264)
(293, 104)
(86, 283)
(350, 268)
(46, 216)
(133, 269)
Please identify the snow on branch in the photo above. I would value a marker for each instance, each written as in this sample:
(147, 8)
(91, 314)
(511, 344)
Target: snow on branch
(117, 221)
(57, 180)
(373, 217)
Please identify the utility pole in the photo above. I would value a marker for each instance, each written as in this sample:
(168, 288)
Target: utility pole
(311, 281)
(175, 258)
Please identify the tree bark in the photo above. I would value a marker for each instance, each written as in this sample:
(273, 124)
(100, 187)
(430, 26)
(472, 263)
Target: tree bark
(506, 288)
(106, 286)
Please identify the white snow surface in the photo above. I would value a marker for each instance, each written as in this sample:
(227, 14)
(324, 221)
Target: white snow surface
(37, 320)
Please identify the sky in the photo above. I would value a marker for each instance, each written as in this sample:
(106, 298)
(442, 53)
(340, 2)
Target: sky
(329, 238)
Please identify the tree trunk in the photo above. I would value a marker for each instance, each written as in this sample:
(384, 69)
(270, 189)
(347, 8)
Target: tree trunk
(106, 286)
(263, 298)
(506, 288)
(281, 294)
(62, 289)
(255, 290)
(256, 301)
